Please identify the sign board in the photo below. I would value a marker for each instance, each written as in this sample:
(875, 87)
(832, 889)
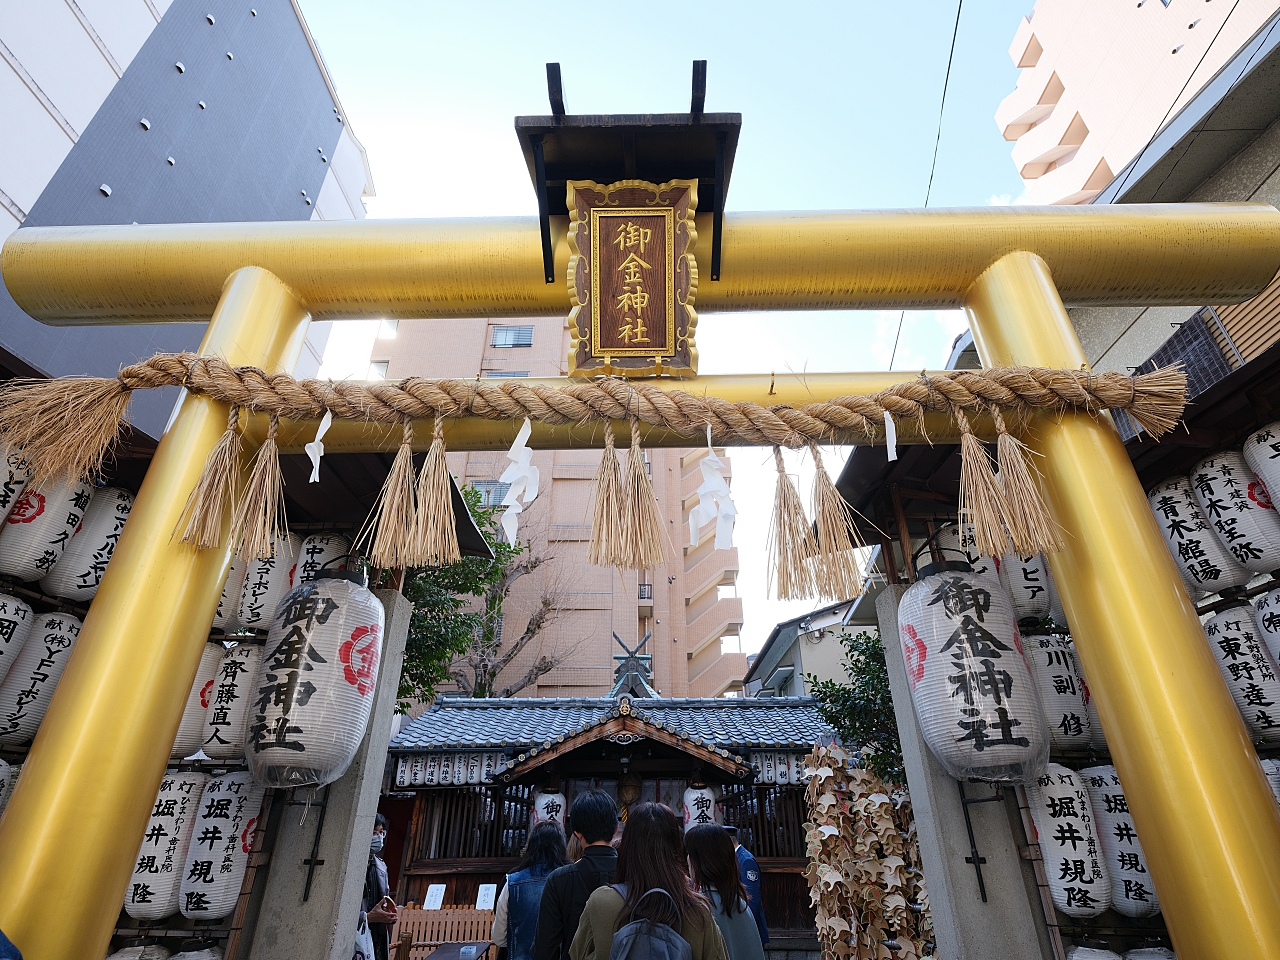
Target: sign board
(435, 897)
(487, 895)
(632, 278)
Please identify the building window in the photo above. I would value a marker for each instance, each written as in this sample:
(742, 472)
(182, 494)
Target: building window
(646, 591)
(388, 330)
(491, 492)
(378, 371)
(512, 336)
(505, 374)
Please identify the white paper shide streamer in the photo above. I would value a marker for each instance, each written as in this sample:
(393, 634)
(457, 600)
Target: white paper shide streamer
(1073, 860)
(266, 581)
(1239, 510)
(522, 476)
(1205, 564)
(79, 571)
(1061, 686)
(28, 687)
(16, 621)
(1248, 668)
(39, 527)
(157, 874)
(221, 838)
(970, 684)
(714, 502)
(1026, 581)
(229, 699)
(320, 552)
(191, 727)
(313, 690)
(315, 449)
(1132, 892)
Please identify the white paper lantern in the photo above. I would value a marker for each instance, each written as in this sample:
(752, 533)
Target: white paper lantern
(1097, 738)
(1056, 611)
(1090, 953)
(14, 474)
(700, 807)
(549, 805)
(795, 769)
(28, 687)
(1132, 892)
(1060, 684)
(229, 602)
(155, 951)
(16, 621)
(230, 699)
(1073, 860)
(1248, 668)
(222, 836)
(266, 582)
(402, 772)
(152, 893)
(488, 766)
(431, 770)
(1239, 509)
(1150, 953)
(1026, 582)
(473, 768)
(1271, 768)
(77, 574)
(418, 770)
(39, 527)
(191, 729)
(322, 551)
(971, 688)
(1205, 564)
(1261, 453)
(768, 769)
(314, 689)
(1266, 616)
(8, 779)
(957, 542)
(449, 769)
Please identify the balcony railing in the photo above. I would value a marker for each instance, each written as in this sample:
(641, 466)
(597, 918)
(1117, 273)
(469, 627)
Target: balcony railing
(645, 591)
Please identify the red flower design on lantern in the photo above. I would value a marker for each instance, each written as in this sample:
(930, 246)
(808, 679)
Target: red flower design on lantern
(246, 844)
(1259, 494)
(29, 506)
(204, 694)
(915, 651)
(359, 657)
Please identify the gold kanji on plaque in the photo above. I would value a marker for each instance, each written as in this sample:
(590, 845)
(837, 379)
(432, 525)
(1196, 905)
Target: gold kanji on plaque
(632, 278)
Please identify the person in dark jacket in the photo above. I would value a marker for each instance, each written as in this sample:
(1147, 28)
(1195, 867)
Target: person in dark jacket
(516, 916)
(592, 818)
(750, 871)
(376, 905)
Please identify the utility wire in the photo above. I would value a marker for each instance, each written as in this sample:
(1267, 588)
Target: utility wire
(937, 141)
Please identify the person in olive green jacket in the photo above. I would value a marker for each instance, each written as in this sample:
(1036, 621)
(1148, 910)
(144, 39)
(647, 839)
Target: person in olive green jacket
(652, 855)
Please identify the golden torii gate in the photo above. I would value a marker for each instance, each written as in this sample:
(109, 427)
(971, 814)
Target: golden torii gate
(1192, 777)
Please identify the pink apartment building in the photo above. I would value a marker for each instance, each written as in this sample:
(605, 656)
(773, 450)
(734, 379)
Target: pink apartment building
(690, 605)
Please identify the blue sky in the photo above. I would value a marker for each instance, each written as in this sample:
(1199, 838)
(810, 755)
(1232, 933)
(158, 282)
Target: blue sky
(840, 110)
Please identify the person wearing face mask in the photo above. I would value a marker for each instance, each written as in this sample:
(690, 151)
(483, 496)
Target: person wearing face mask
(377, 907)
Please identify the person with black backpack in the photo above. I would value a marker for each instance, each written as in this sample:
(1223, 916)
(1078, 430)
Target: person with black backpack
(651, 913)
(592, 818)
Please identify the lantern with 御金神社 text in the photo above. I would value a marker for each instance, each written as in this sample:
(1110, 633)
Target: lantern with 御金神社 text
(971, 688)
(548, 804)
(700, 806)
(313, 691)
(1204, 563)
(230, 698)
(221, 840)
(1026, 583)
(16, 620)
(1132, 893)
(1248, 668)
(1238, 509)
(266, 581)
(1061, 687)
(152, 893)
(1068, 838)
(39, 527)
(28, 687)
(191, 729)
(79, 571)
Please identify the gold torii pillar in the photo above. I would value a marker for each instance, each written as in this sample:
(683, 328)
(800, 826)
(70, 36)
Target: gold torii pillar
(1196, 788)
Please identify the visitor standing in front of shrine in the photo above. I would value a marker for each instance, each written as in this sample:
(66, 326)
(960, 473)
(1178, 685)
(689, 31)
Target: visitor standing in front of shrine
(515, 916)
(376, 905)
(713, 867)
(750, 871)
(592, 818)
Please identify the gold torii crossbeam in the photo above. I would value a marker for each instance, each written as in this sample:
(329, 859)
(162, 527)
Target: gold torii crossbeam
(1191, 775)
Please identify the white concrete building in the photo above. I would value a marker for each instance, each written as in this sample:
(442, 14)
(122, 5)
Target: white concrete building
(1100, 77)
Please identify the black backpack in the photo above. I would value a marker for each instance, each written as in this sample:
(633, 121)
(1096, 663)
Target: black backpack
(648, 939)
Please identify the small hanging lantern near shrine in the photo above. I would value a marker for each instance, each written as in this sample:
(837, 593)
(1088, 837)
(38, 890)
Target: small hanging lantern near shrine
(1097, 738)
(16, 621)
(548, 804)
(322, 551)
(8, 779)
(971, 687)
(402, 772)
(1239, 510)
(79, 571)
(768, 764)
(488, 766)
(1061, 687)
(229, 602)
(14, 474)
(39, 527)
(700, 806)
(1132, 893)
(229, 699)
(221, 839)
(1266, 615)
(957, 542)
(431, 770)
(266, 581)
(417, 770)
(1026, 582)
(191, 728)
(1056, 611)
(1205, 564)
(1261, 453)
(1270, 768)
(315, 682)
(152, 893)
(1067, 833)
(28, 687)
(1248, 668)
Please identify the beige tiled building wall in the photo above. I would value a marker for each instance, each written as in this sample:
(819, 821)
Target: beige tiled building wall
(1100, 77)
(692, 608)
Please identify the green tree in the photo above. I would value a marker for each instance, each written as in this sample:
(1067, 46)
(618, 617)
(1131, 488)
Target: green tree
(455, 632)
(861, 711)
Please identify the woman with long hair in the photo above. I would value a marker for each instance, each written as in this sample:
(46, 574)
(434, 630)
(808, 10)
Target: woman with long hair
(713, 868)
(651, 858)
(515, 915)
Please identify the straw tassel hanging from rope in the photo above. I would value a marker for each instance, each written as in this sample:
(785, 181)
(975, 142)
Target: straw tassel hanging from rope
(982, 502)
(1030, 525)
(643, 538)
(214, 495)
(435, 536)
(837, 574)
(607, 521)
(389, 531)
(792, 547)
(259, 522)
